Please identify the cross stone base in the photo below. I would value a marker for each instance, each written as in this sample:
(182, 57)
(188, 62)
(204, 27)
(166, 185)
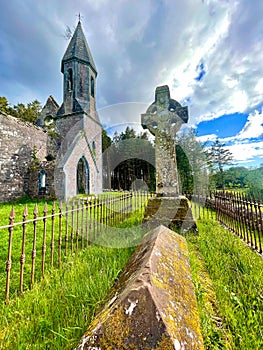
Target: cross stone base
(170, 211)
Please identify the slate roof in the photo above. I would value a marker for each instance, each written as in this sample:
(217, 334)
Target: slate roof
(78, 48)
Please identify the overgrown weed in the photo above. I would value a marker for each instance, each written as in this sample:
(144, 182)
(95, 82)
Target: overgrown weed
(229, 286)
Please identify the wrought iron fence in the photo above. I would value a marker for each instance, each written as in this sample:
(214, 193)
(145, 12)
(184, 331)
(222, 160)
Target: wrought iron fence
(43, 241)
(34, 245)
(241, 214)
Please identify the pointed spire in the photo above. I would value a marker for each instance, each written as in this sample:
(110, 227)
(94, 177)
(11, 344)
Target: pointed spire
(78, 48)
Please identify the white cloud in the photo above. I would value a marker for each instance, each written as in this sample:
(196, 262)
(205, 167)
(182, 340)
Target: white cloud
(234, 69)
(209, 137)
(137, 47)
(259, 86)
(253, 127)
(203, 35)
(239, 101)
(244, 152)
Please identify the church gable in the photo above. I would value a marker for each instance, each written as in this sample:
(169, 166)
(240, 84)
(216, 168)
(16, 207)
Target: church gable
(48, 112)
(80, 151)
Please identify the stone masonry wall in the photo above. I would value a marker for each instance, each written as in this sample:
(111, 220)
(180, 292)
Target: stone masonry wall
(17, 141)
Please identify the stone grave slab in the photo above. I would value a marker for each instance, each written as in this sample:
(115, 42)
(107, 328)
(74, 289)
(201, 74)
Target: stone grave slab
(153, 303)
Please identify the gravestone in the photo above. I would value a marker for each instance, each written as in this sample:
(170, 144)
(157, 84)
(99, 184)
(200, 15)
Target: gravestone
(163, 119)
(153, 303)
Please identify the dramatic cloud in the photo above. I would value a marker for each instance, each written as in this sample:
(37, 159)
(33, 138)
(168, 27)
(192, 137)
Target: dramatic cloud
(253, 128)
(210, 53)
(232, 63)
(246, 152)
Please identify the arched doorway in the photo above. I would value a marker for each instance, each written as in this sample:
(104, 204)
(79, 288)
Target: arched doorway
(83, 176)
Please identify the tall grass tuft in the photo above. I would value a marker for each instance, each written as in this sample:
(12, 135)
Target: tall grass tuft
(55, 313)
(229, 287)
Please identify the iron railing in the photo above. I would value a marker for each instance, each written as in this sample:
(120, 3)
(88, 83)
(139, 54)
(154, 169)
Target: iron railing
(34, 245)
(241, 214)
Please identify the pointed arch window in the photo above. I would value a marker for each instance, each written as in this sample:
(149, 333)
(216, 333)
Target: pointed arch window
(83, 176)
(42, 182)
(70, 79)
(92, 86)
(94, 148)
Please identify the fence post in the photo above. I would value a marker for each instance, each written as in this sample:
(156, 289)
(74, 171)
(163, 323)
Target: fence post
(77, 227)
(72, 227)
(247, 226)
(252, 219)
(90, 220)
(107, 213)
(82, 224)
(9, 257)
(243, 210)
(23, 256)
(87, 223)
(34, 252)
(60, 234)
(97, 213)
(236, 214)
(66, 231)
(97, 216)
(259, 224)
(44, 247)
(101, 216)
(52, 243)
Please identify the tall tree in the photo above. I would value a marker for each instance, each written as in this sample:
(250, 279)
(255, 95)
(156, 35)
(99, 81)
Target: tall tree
(106, 140)
(4, 105)
(29, 113)
(219, 156)
(106, 156)
(191, 163)
(255, 182)
(134, 158)
(236, 177)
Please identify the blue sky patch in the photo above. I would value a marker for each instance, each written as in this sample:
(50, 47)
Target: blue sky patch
(225, 126)
(201, 71)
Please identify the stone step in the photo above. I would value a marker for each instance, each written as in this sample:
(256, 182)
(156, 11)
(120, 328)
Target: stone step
(173, 212)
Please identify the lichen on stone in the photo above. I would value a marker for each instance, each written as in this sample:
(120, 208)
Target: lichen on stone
(154, 305)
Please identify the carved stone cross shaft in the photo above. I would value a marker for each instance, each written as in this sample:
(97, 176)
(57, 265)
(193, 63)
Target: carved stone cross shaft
(163, 119)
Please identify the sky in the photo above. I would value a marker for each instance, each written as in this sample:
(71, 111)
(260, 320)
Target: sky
(209, 52)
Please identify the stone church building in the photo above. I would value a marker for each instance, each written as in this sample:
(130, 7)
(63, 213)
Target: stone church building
(61, 156)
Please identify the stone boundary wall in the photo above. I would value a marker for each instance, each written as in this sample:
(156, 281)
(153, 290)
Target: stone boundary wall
(153, 304)
(17, 141)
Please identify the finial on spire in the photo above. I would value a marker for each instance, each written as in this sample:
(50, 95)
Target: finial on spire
(79, 16)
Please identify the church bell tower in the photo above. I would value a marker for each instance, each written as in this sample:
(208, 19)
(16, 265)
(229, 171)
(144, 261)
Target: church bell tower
(79, 76)
(77, 122)
(76, 145)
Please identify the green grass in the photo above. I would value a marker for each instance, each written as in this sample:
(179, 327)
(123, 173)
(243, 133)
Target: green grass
(229, 288)
(119, 230)
(5, 210)
(55, 313)
(227, 277)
